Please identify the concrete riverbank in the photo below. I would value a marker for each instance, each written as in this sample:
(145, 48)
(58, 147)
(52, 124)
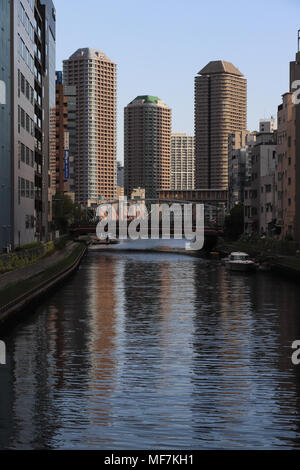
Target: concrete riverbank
(21, 289)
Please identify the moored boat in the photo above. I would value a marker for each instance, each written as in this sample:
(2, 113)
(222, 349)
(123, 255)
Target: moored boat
(239, 261)
(95, 242)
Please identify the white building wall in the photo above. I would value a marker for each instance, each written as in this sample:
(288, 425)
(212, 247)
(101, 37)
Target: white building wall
(23, 194)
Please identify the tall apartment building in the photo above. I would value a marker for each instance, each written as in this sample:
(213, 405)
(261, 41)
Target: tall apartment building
(62, 163)
(182, 161)
(94, 76)
(220, 109)
(261, 193)
(240, 146)
(27, 60)
(147, 145)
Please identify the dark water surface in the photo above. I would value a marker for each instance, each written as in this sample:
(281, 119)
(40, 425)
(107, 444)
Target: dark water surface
(155, 351)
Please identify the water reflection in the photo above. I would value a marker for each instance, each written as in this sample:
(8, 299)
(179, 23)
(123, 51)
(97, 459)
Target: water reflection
(102, 296)
(155, 351)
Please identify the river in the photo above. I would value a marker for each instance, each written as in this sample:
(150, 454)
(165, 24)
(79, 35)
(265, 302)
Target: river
(155, 351)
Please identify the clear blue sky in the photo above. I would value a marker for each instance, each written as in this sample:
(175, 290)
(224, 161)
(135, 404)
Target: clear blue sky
(160, 45)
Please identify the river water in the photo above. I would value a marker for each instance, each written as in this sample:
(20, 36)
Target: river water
(155, 351)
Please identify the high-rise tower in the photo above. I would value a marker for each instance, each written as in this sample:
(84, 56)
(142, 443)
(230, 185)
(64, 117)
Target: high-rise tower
(147, 145)
(220, 109)
(94, 75)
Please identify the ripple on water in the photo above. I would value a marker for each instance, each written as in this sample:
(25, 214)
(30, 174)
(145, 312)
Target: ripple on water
(143, 351)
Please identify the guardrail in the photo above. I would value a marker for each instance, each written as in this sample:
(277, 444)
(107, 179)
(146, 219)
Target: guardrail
(39, 288)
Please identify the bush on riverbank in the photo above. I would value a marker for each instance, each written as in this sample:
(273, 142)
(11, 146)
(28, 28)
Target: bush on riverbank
(272, 246)
(26, 256)
(29, 246)
(262, 248)
(61, 242)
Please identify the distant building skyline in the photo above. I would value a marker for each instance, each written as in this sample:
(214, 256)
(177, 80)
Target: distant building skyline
(188, 34)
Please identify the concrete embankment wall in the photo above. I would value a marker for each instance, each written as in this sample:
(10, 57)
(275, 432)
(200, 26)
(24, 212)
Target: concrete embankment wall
(18, 307)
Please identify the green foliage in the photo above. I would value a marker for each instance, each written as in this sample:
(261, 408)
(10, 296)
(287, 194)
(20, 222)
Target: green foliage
(65, 212)
(61, 242)
(264, 247)
(234, 223)
(25, 257)
(29, 246)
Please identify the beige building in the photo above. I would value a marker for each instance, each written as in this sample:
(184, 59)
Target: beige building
(62, 158)
(94, 75)
(294, 76)
(147, 145)
(260, 197)
(182, 161)
(286, 164)
(220, 109)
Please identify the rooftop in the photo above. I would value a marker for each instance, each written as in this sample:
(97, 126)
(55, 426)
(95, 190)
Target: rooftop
(220, 66)
(89, 53)
(147, 99)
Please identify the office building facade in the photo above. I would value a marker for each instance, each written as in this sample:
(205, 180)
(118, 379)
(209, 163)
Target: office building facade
(260, 197)
(6, 213)
(62, 165)
(28, 40)
(182, 161)
(240, 147)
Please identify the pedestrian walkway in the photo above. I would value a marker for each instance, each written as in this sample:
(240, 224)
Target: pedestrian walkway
(36, 268)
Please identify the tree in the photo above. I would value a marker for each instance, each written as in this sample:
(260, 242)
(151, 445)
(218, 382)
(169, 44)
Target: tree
(65, 212)
(234, 223)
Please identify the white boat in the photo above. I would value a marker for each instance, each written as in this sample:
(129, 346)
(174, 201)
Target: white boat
(239, 261)
(95, 242)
